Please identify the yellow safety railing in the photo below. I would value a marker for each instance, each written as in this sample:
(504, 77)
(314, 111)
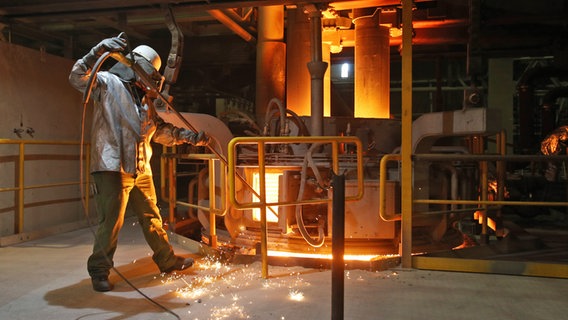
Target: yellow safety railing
(261, 203)
(214, 209)
(20, 184)
(261, 142)
(482, 205)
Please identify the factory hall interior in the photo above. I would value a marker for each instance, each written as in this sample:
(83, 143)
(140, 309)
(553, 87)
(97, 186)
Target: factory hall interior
(365, 159)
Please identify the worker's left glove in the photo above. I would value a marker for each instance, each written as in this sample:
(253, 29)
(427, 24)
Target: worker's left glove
(197, 139)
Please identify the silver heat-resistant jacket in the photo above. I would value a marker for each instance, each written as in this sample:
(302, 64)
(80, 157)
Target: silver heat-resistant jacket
(121, 130)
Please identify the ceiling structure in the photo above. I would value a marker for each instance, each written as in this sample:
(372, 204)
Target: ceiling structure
(220, 35)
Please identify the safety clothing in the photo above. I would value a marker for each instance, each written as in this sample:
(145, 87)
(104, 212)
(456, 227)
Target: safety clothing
(123, 126)
(114, 192)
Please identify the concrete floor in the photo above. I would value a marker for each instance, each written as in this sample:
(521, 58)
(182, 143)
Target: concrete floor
(47, 279)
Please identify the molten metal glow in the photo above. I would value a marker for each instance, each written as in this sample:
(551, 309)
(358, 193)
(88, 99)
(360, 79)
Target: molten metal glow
(349, 257)
(271, 182)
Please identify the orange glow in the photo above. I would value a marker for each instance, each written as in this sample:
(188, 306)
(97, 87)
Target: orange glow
(490, 222)
(271, 182)
(348, 257)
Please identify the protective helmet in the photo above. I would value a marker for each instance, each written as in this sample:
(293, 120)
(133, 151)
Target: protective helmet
(149, 54)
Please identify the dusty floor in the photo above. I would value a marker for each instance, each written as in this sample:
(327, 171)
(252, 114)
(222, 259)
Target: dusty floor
(46, 279)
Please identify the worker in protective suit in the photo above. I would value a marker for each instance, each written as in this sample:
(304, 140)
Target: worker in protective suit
(124, 124)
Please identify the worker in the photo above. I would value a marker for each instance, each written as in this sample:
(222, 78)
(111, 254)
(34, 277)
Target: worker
(124, 123)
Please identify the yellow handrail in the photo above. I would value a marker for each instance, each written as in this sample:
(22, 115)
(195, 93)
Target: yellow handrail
(19, 214)
(438, 157)
(261, 142)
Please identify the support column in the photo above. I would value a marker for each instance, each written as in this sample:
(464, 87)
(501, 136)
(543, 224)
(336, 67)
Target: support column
(271, 58)
(372, 68)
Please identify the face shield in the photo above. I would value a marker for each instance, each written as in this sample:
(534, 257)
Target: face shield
(148, 60)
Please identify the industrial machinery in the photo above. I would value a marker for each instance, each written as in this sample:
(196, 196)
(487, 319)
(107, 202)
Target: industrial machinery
(274, 174)
(221, 211)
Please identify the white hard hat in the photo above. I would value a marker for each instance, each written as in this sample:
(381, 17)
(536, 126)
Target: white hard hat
(149, 54)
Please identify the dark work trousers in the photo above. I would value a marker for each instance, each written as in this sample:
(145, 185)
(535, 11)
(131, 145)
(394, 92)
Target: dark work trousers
(114, 191)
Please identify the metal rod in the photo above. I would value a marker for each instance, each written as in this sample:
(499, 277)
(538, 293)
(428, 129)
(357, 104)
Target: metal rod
(262, 200)
(171, 193)
(492, 202)
(487, 157)
(19, 221)
(338, 247)
(483, 182)
(212, 205)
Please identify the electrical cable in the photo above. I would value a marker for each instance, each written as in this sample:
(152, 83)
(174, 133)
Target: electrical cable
(308, 161)
(86, 96)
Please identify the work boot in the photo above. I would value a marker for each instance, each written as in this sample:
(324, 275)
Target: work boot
(180, 264)
(101, 284)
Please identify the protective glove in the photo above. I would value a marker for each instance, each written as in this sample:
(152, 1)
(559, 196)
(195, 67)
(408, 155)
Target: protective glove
(197, 139)
(113, 44)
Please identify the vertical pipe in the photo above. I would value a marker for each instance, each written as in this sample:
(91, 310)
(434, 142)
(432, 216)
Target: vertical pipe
(483, 187)
(406, 145)
(262, 201)
(317, 70)
(338, 247)
(501, 172)
(19, 221)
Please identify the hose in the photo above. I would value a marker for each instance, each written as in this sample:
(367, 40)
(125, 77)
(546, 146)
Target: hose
(299, 219)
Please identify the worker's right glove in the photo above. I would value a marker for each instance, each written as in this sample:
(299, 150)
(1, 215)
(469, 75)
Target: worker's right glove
(113, 44)
(197, 139)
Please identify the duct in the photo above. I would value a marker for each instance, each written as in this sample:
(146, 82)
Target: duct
(432, 126)
(231, 24)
